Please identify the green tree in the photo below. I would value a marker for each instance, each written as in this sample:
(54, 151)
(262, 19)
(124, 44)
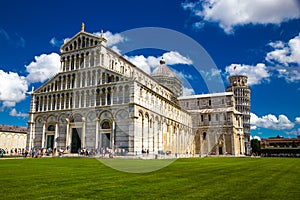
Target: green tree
(255, 145)
(294, 145)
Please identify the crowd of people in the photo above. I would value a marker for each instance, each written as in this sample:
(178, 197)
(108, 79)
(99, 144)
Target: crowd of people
(34, 152)
(13, 152)
(103, 152)
(44, 152)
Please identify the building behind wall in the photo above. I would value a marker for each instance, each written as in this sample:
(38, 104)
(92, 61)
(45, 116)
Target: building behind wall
(12, 137)
(101, 101)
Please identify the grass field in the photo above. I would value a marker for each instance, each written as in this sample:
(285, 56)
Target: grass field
(194, 178)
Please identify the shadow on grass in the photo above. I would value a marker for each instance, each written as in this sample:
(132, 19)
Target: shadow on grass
(136, 165)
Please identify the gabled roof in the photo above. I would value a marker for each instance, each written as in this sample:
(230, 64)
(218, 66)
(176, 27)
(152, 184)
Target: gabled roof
(81, 34)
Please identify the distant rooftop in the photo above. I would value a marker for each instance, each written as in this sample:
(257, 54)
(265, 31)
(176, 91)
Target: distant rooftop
(9, 128)
(205, 95)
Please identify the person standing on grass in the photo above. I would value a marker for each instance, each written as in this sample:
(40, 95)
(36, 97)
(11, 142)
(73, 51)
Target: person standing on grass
(26, 153)
(32, 152)
(1, 153)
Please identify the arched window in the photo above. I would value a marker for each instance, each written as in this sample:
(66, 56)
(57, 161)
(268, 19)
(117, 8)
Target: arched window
(204, 136)
(51, 128)
(75, 45)
(76, 118)
(105, 125)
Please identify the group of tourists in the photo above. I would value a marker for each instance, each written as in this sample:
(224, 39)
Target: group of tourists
(146, 151)
(33, 153)
(43, 152)
(101, 152)
(13, 152)
(84, 152)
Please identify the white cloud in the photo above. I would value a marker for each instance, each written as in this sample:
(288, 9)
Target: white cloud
(286, 58)
(290, 74)
(181, 75)
(277, 44)
(141, 62)
(187, 88)
(4, 34)
(256, 74)
(271, 122)
(151, 62)
(255, 137)
(14, 39)
(283, 61)
(56, 43)
(229, 14)
(14, 113)
(44, 67)
(148, 64)
(293, 132)
(212, 74)
(285, 54)
(116, 49)
(173, 58)
(112, 39)
(297, 120)
(12, 88)
(20, 41)
(187, 91)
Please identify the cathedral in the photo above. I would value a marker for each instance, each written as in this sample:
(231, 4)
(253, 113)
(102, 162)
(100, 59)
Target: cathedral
(102, 102)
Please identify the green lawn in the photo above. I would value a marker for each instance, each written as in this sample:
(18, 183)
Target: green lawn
(195, 178)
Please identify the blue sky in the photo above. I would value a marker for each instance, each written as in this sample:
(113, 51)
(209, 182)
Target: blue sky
(260, 38)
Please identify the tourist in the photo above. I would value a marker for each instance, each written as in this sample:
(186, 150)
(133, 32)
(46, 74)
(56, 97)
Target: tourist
(26, 153)
(1, 152)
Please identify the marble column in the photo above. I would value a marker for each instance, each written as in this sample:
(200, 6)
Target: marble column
(68, 146)
(44, 134)
(83, 133)
(113, 136)
(97, 134)
(56, 136)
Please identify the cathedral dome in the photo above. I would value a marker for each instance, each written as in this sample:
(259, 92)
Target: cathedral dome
(162, 70)
(167, 78)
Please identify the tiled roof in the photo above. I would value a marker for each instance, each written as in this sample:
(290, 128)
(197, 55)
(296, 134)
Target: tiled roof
(9, 128)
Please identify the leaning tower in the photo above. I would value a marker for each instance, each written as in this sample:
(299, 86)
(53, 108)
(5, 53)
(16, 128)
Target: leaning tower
(241, 90)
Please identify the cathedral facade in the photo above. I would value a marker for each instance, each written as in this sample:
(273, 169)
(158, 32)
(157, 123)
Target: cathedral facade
(101, 101)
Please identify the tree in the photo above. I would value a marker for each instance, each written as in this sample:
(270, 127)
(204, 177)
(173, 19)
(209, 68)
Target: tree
(255, 145)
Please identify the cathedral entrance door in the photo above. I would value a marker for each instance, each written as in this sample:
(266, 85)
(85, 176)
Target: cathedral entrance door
(76, 141)
(106, 142)
(50, 141)
(220, 150)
